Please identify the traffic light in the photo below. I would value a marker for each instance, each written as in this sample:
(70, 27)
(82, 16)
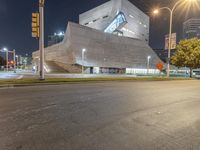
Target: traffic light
(41, 2)
(35, 25)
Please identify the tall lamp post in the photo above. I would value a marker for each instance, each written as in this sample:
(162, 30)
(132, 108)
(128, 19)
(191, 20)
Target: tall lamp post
(171, 11)
(83, 54)
(41, 38)
(14, 59)
(148, 62)
(6, 50)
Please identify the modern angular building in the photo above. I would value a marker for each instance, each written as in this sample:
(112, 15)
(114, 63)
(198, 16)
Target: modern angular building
(119, 17)
(112, 38)
(191, 28)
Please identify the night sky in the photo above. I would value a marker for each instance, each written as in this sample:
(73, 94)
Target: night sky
(15, 20)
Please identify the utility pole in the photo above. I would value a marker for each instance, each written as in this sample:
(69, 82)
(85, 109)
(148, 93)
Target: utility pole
(41, 38)
(83, 53)
(148, 63)
(38, 33)
(7, 60)
(14, 59)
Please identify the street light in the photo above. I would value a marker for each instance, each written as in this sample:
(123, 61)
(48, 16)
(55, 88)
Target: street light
(156, 11)
(83, 52)
(148, 62)
(6, 50)
(171, 11)
(14, 56)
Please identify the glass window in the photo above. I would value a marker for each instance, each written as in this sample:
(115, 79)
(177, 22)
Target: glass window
(118, 22)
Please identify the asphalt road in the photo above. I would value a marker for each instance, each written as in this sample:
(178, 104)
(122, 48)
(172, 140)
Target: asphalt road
(102, 116)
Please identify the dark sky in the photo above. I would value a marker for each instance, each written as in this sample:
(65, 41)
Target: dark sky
(15, 20)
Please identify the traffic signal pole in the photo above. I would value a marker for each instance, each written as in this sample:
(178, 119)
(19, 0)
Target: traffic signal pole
(7, 60)
(41, 39)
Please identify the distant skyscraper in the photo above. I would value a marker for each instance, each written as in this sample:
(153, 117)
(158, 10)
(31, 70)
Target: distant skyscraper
(191, 28)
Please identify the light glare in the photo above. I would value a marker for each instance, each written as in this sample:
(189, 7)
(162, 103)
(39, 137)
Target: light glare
(156, 11)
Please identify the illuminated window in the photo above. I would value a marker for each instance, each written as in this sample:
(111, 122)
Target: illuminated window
(127, 30)
(131, 16)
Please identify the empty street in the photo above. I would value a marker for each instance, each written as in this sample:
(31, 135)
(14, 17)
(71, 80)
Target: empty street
(102, 116)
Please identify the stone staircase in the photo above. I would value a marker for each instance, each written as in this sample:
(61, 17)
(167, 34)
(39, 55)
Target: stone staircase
(56, 67)
(71, 68)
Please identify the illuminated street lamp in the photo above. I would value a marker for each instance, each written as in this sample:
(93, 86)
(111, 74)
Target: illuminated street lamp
(156, 11)
(171, 11)
(14, 60)
(6, 50)
(83, 53)
(148, 62)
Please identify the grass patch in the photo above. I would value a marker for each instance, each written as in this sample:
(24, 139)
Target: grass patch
(68, 80)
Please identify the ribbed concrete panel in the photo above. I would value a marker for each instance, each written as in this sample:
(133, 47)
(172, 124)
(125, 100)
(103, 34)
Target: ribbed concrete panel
(102, 49)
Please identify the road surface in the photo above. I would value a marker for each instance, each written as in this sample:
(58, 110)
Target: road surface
(102, 116)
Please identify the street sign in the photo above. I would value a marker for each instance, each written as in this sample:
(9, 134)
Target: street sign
(173, 41)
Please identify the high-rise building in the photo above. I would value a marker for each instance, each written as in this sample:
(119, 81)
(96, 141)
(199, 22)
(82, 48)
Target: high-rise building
(191, 28)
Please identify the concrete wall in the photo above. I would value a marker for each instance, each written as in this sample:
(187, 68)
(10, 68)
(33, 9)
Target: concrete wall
(102, 49)
(138, 22)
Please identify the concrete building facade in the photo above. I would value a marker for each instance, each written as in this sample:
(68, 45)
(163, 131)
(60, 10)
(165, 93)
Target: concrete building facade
(98, 51)
(118, 16)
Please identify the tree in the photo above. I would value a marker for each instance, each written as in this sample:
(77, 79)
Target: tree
(187, 54)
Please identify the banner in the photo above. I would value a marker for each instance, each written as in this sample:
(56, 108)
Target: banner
(173, 41)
